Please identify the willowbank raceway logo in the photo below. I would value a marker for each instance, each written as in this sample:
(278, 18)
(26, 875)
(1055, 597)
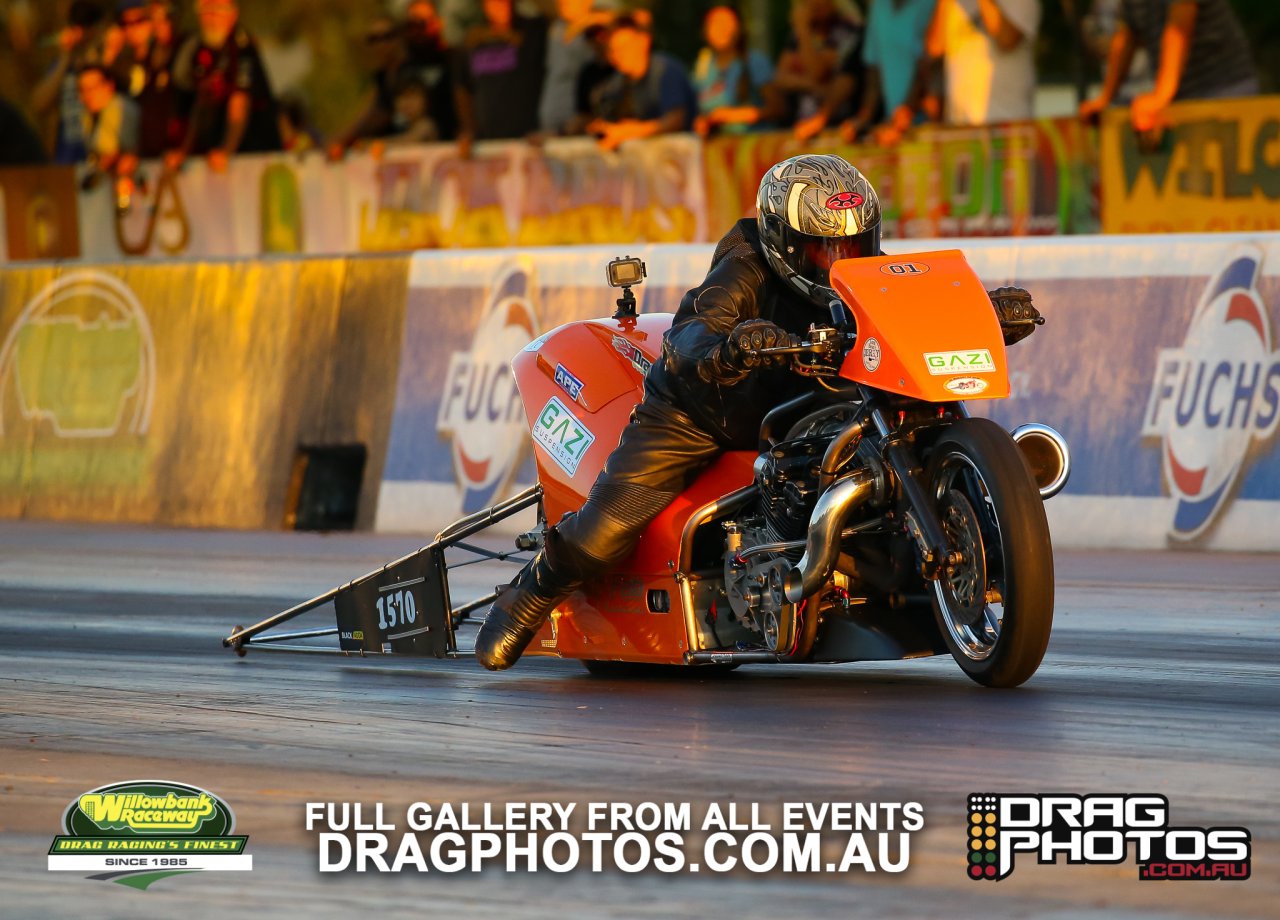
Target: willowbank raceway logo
(1098, 830)
(480, 412)
(81, 359)
(1216, 398)
(139, 832)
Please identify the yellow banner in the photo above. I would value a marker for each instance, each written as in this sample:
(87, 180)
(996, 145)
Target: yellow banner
(1215, 167)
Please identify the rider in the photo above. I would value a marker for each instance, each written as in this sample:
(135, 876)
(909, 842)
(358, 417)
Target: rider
(768, 282)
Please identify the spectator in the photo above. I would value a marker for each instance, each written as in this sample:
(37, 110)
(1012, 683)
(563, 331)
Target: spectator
(390, 62)
(233, 110)
(412, 123)
(1200, 49)
(734, 84)
(297, 133)
(650, 93)
(889, 57)
(569, 50)
(821, 36)
(501, 68)
(433, 60)
(110, 131)
(593, 75)
(110, 121)
(986, 48)
(57, 92)
(19, 143)
(162, 23)
(141, 64)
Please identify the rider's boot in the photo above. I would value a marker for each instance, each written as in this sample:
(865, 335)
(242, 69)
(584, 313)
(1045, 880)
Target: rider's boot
(519, 612)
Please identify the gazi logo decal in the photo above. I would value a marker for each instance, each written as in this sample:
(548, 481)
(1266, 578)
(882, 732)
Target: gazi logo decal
(565, 438)
(1215, 397)
(977, 361)
(481, 411)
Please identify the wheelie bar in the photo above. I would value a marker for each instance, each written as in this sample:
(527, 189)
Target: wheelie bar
(449, 536)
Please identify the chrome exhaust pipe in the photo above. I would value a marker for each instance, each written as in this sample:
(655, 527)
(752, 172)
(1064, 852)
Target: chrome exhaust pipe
(1047, 455)
(822, 547)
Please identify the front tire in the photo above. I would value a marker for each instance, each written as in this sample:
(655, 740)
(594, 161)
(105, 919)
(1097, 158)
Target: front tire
(995, 606)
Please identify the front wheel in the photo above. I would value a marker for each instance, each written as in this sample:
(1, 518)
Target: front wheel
(994, 603)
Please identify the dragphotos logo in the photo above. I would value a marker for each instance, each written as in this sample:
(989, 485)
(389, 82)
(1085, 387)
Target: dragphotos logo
(1099, 830)
(1216, 397)
(480, 411)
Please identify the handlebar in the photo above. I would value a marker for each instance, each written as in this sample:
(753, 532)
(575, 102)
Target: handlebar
(826, 343)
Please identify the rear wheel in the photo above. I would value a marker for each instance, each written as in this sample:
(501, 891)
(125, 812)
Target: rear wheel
(994, 603)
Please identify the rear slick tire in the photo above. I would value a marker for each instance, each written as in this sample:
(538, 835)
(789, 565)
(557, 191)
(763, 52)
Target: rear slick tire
(993, 515)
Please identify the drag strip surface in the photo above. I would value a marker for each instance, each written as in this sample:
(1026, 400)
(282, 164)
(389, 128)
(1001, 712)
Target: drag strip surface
(1162, 676)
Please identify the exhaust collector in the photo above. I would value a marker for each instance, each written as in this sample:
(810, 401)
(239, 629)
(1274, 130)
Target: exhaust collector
(822, 548)
(1047, 454)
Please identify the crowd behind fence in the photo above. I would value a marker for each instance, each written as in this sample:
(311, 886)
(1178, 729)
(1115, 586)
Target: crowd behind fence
(133, 97)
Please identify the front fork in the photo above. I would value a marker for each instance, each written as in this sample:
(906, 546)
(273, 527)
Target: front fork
(922, 518)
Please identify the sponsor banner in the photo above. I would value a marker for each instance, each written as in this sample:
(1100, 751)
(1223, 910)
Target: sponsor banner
(1157, 363)
(1033, 178)
(1030, 178)
(1213, 168)
(180, 394)
(427, 197)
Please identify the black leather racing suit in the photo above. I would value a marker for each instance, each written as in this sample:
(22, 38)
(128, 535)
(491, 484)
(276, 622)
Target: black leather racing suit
(694, 407)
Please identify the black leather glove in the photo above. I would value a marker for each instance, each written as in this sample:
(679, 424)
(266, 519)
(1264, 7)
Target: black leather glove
(1018, 316)
(755, 334)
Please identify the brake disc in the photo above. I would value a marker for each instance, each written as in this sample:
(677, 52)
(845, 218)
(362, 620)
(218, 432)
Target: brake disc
(966, 578)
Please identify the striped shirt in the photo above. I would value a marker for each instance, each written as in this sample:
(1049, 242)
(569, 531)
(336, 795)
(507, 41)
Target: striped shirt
(1219, 58)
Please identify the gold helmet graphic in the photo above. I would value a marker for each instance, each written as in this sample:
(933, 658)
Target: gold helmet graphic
(813, 210)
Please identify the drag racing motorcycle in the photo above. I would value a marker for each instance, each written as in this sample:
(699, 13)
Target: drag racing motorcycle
(878, 519)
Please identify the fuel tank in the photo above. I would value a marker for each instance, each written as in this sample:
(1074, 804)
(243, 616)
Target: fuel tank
(579, 383)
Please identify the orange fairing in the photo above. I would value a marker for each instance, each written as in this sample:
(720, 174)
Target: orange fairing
(579, 384)
(926, 328)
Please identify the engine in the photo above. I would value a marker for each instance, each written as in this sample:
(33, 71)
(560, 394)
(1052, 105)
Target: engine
(787, 478)
(761, 548)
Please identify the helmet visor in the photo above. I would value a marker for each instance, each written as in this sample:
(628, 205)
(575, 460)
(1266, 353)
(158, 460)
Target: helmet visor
(813, 256)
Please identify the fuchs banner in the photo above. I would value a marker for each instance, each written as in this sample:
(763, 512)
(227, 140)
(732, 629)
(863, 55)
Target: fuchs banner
(1158, 364)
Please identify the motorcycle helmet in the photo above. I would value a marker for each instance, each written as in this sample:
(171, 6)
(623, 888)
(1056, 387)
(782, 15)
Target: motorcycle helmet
(812, 210)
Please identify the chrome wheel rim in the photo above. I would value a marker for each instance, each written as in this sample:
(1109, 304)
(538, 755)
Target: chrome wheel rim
(971, 591)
